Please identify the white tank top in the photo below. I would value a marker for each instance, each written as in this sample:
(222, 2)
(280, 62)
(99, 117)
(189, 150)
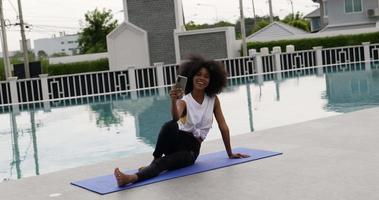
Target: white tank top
(199, 117)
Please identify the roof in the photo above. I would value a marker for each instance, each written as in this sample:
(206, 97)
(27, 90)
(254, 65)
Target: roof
(268, 31)
(315, 13)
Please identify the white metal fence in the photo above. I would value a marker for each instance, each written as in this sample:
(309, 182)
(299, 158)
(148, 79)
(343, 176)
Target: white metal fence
(4, 93)
(47, 88)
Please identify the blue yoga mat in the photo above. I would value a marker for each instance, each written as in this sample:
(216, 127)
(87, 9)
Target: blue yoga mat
(107, 184)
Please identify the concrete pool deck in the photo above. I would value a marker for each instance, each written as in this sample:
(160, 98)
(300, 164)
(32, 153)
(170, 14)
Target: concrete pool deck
(329, 158)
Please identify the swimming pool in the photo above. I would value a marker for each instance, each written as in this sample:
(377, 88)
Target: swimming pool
(44, 138)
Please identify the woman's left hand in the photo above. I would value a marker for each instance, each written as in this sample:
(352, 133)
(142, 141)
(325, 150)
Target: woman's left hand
(238, 155)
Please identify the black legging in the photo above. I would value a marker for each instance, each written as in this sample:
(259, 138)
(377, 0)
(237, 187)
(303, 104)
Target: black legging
(180, 149)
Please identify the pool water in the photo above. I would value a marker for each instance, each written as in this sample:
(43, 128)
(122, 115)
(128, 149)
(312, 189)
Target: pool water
(74, 133)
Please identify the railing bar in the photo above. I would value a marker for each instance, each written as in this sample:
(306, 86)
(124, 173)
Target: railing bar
(115, 77)
(86, 84)
(155, 77)
(19, 92)
(109, 82)
(68, 86)
(39, 90)
(97, 83)
(359, 54)
(80, 85)
(330, 55)
(164, 75)
(91, 83)
(148, 77)
(229, 68)
(2, 98)
(74, 85)
(32, 88)
(103, 76)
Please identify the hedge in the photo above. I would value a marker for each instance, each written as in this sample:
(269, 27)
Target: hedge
(325, 42)
(69, 68)
(74, 68)
(2, 76)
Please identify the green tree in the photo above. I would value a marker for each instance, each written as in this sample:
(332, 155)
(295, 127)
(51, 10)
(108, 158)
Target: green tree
(261, 24)
(98, 24)
(253, 25)
(297, 21)
(191, 25)
(41, 54)
(18, 57)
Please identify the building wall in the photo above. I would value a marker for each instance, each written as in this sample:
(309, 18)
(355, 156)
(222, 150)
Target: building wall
(349, 27)
(157, 18)
(209, 45)
(64, 44)
(337, 15)
(127, 46)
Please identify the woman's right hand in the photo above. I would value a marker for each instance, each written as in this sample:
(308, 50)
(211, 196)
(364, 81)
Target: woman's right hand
(176, 93)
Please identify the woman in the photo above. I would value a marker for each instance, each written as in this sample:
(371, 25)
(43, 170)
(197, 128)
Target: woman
(179, 140)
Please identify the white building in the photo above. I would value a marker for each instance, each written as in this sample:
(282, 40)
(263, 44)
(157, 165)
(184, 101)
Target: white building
(275, 31)
(346, 15)
(67, 44)
(153, 32)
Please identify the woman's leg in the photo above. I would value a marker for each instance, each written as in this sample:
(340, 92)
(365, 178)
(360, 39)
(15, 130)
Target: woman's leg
(180, 150)
(172, 161)
(184, 153)
(124, 179)
(166, 139)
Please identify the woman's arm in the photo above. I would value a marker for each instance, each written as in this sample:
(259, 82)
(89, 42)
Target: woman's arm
(224, 129)
(177, 106)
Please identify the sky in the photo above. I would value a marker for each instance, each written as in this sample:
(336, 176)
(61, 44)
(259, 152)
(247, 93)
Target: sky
(48, 17)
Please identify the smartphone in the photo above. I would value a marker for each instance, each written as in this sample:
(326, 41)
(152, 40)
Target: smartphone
(181, 82)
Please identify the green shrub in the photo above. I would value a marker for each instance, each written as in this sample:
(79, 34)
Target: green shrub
(74, 68)
(325, 42)
(2, 75)
(44, 65)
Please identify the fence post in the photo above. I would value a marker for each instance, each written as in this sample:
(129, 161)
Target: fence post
(319, 64)
(290, 48)
(259, 68)
(160, 77)
(132, 82)
(252, 54)
(45, 92)
(276, 51)
(13, 89)
(159, 67)
(366, 49)
(264, 51)
(44, 87)
(14, 94)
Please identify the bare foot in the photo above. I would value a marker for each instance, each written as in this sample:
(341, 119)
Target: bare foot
(124, 179)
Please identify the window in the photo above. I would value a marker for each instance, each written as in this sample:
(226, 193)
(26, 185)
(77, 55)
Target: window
(62, 49)
(62, 42)
(70, 42)
(353, 6)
